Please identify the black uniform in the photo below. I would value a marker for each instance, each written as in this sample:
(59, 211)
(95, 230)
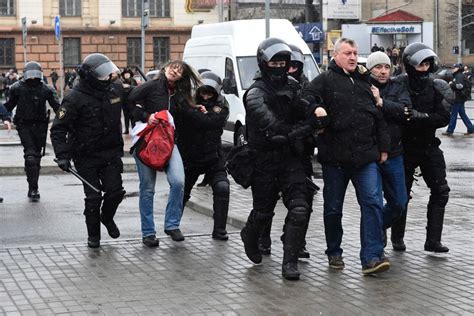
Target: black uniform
(200, 145)
(87, 129)
(31, 120)
(431, 100)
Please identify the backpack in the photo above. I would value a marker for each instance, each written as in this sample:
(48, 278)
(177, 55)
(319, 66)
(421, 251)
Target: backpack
(466, 90)
(155, 146)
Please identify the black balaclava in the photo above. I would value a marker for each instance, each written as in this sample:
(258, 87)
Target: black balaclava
(419, 79)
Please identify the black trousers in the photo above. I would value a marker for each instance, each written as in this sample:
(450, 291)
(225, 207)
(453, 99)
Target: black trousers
(275, 173)
(219, 183)
(433, 170)
(105, 175)
(33, 139)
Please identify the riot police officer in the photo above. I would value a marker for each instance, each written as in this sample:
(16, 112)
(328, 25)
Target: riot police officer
(431, 110)
(29, 96)
(270, 119)
(87, 129)
(200, 145)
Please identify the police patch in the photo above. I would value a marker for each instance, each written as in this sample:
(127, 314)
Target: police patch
(61, 113)
(217, 109)
(115, 100)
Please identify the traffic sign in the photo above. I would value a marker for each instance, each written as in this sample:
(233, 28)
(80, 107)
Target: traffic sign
(311, 32)
(57, 27)
(24, 29)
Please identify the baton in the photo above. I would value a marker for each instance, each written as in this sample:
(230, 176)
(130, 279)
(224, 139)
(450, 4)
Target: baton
(141, 73)
(74, 172)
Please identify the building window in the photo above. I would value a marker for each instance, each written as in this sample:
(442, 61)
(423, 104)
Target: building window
(161, 51)
(72, 52)
(134, 48)
(158, 8)
(70, 7)
(7, 7)
(7, 52)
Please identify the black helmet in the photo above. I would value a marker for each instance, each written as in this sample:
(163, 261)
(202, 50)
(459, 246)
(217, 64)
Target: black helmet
(211, 83)
(96, 65)
(297, 61)
(273, 49)
(96, 70)
(32, 70)
(416, 53)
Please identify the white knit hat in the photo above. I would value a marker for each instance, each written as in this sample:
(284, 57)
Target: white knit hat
(377, 58)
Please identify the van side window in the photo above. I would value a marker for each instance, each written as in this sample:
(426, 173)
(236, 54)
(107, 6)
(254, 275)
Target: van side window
(229, 70)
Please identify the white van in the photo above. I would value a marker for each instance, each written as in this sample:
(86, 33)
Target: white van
(229, 49)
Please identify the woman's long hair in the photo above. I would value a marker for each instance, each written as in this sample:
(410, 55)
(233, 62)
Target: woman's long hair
(189, 80)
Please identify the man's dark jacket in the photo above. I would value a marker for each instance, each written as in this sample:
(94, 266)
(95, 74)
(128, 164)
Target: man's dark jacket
(395, 97)
(356, 132)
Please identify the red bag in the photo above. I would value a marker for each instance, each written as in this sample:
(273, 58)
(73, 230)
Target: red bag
(155, 146)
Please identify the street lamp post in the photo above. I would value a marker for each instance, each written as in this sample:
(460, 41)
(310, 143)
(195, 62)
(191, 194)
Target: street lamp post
(145, 22)
(460, 31)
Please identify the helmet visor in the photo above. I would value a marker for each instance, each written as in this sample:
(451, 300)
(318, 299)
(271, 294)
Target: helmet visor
(211, 83)
(418, 57)
(297, 56)
(33, 74)
(275, 49)
(104, 70)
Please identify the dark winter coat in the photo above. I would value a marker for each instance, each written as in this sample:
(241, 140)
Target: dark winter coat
(356, 132)
(199, 140)
(458, 84)
(395, 97)
(88, 124)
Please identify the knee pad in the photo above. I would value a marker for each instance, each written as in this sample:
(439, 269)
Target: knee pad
(93, 202)
(440, 195)
(115, 197)
(298, 216)
(31, 161)
(221, 188)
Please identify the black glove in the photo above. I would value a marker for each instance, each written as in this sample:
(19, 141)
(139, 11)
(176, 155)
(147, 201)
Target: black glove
(414, 115)
(64, 164)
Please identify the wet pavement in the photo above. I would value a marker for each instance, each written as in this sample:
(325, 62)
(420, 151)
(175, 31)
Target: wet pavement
(43, 274)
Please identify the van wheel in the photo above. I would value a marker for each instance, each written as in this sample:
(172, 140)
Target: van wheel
(239, 137)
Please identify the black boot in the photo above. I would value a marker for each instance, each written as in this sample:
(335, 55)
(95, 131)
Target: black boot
(34, 195)
(398, 232)
(434, 229)
(290, 271)
(265, 241)
(93, 228)
(109, 208)
(249, 237)
(221, 208)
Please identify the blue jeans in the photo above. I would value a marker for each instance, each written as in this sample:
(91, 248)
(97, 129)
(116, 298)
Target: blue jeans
(368, 187)
(394, 190)
(174, 209)
(458, 107)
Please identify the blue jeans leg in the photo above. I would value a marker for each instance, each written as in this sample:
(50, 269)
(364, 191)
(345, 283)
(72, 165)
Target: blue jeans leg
(175, 175)
(465, 118)
(368, 185)
(335, 180)
(394, 190)
(147, 178)
(454, 117)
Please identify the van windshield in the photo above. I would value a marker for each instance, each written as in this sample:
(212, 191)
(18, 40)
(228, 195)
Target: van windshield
(248, 66)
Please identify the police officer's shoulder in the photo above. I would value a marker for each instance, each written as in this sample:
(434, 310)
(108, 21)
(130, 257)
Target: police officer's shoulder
(16, 85)
(440, 84)
(48, 88)
(254, 93)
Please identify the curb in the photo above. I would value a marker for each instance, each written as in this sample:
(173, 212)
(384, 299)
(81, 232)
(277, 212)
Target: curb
(50, 170)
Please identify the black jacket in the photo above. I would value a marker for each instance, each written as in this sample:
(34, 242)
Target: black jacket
(434, 100)
(395, 97)
(153, 96)
(356, 132)
(88, 124)
(30, 101)
(272, 112)
(199, 140)
(458, 85)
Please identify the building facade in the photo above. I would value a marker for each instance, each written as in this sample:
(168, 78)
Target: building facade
(111, 27)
